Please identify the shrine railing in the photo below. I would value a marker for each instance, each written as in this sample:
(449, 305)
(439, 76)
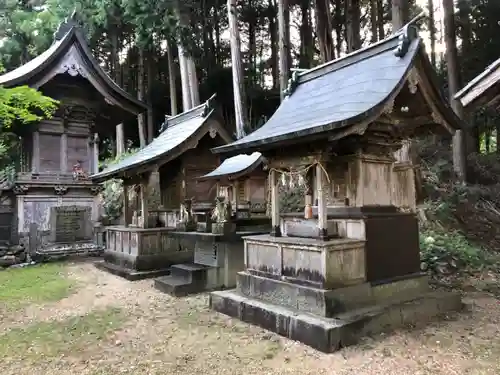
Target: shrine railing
(49, 177)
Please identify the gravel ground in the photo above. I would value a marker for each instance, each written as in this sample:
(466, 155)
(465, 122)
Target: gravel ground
(165, 335)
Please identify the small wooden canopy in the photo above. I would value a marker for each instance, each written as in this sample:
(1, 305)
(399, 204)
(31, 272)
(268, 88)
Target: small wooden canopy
(484, 90)
(235, 167)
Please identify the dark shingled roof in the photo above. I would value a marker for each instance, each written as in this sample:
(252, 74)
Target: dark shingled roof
(176, 132)
(482, 88)
(235, 166)
(42, 68)
(341, 93)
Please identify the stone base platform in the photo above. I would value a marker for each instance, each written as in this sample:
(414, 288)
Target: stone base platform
(187, 279)
(130, 274)
(328, 320)
(58, 251)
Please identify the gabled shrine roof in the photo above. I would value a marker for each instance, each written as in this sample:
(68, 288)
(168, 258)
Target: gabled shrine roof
(482, 90)
(337, 96)
(178, 134)
(71, 54)
(235, 167)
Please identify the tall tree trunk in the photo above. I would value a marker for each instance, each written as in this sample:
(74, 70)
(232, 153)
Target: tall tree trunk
(171, 80)
(273, 33)
(217, 35)
(459, 152)
(353, 15)
(306, 41)
(324, 30)
(238, 83)
(432, 31)
(400, 13)
(284, 46)
(338, 26)
(186, 90)
(151, 79)
(141, 119)
(193, 82)
(380, 19)
(373, 20)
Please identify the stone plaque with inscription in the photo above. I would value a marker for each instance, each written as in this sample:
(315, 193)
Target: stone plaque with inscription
(70, 224)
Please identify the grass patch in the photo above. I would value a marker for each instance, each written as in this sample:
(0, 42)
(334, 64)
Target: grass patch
(52, 339)
(44, 283)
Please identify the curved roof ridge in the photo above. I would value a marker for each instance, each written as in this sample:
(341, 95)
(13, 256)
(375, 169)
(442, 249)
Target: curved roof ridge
(57, 52)
(399, 41)
(202, 109)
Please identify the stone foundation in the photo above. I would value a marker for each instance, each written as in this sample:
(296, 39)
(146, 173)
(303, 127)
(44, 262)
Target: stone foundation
(328, 320)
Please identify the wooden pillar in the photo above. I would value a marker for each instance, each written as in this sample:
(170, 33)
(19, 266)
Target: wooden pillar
(64, 153)
(126, 205)
(144, 203)
(35, 156)
(95, 154)
(322, 212)
(120, 139)
(275, 205)
(236, 198)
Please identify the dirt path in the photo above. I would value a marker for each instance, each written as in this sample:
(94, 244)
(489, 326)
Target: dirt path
(166, 335)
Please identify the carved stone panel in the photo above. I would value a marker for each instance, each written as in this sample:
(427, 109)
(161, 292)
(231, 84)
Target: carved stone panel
(70, 224)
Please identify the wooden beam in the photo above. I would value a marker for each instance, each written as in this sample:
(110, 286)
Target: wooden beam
(322, 212)
(275, 204)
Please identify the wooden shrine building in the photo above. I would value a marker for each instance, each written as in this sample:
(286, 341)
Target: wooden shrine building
(164, 173)
(243, 181)
(483, 91)
(52, 187)
(240, 210)
(349, 265)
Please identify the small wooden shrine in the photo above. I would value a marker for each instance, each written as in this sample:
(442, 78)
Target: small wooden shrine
(484, 90)
(240, 209)
(349, 264)
(164, 174)
(52, 187)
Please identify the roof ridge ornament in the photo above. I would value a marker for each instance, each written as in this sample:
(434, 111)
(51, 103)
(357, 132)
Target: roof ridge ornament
(293, 82)
(208, 106)
(408, 33)
(66, 25)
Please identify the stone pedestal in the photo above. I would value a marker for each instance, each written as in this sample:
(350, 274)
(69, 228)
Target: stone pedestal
(318, 292)
(223, 229)
(138, 253)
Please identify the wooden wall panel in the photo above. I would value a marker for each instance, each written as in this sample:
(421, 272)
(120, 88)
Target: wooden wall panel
(50, 152)
(78, 152)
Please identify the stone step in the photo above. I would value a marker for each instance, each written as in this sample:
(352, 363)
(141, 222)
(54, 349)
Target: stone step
(190, 272)
(331, 334)
(175, 286)
(328, 302)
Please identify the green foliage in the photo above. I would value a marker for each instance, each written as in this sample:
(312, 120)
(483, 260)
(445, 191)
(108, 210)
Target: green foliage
(54, 339)
(22, 105)
(445, 251)
(25, 105)
(38, 284)
(112, 199)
